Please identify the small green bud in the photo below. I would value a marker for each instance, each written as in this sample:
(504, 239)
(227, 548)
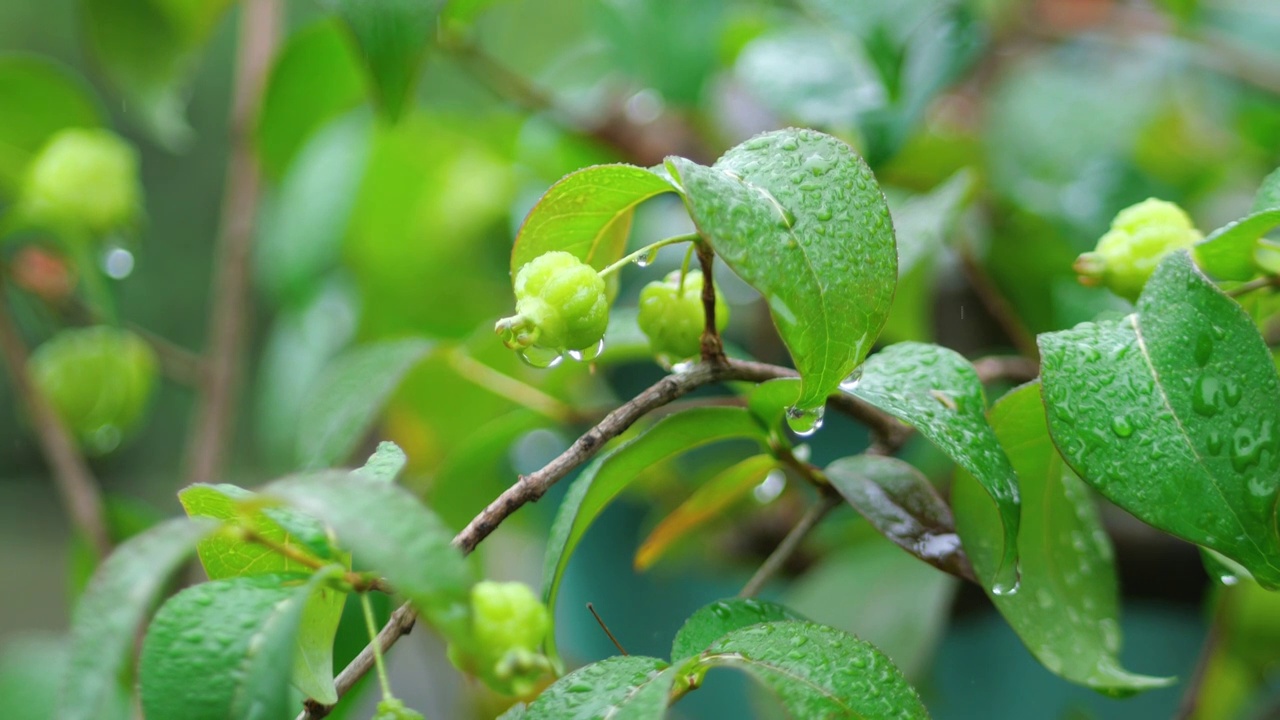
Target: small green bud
(394, 709)
(672, 317)
(1140, 237)
(99, 381)
(83, 180)
(561, 305)
(508, 625)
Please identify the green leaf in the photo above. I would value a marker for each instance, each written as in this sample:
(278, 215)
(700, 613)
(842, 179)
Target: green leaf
(610, 474)
(227, 556)
(901, 504)
(1067, 606)
(315, 79)
(799, 216)
(347, 398)
(151, 74)
(709, 500)
(51, 97)
(628, 687)
(1186, 385)
(385, 464)
(938, 392)
(105, 623)
(711, 622)
(387, 530)
(769, 400)
(1268, 195)
(817, 672)
(587, 214)
(1228, 252)
(302, 231)
(392, 38)
(222, 649)
(31, 668)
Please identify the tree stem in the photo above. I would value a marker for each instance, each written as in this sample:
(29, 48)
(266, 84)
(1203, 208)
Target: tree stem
(712, 347)
(791, 543)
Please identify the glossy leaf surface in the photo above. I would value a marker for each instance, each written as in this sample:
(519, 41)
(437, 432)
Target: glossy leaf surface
(628, 687)
(1228, 252)
(711, 622)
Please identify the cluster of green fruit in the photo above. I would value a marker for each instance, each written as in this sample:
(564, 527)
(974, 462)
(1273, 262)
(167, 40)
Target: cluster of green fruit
(562, 307)
(508, 625)
(1140, 237)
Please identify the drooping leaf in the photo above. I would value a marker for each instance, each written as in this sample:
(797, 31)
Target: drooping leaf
(301, 234)
(587, 214)
(315, 79)
(709, 500)
(223, 649)
(799, 216)
(385, 464)
(227, 556)
(348, 396)
(1067, 607)
(630, 687)
(1228, 252)
(1186, 385)
(392, 38)
(711, 622)
(817, 672)
(901, 504)
(106, 620)
(387, 530)
(610, 474)
(51, 98)
(938, 392)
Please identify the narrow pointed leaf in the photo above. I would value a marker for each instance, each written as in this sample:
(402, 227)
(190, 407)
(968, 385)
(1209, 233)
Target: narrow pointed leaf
(799, 216)
(630, 687)
(610, 474)
(708, 501)
(1185, 384)
(1066, 609)
(105, 623)
(349, 395)
(711, 622)
(388, 531)
(818, 672)
(1228, 252)
(901, 504)
(223, 649)
(587, 214)
(391, 37)
(938, 392)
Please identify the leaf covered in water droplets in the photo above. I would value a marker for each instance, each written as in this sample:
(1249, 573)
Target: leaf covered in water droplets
(1066, 610)
(799, 216)
(630, 687)
(1173, 413)
(939, 393)
(711, 622)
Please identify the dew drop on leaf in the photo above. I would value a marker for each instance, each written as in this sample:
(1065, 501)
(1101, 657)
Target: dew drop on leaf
(805, 422)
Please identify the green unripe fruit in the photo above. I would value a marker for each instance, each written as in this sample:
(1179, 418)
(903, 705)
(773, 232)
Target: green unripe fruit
(508, 625)
(83, 180)
(1140, 237)
(561, 305)
(394, 709)
(99, 381)
(672, 317)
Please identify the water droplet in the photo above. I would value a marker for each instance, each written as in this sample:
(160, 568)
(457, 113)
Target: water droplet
(1121, 426)
(117, 263)
(850, 383)
(771, 487)
(540, 357)
(1231, 390)
(787, 219)
(1214, 442)
(1204, 349)
(789, 144)
(1007, 581)
(805, 422)
(823, 213)
(1204, 396)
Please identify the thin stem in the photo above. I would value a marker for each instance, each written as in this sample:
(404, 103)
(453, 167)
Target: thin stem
(1212, 641)
(684, 267)
(373, 643)
(647, 250)
(998, 305)
(791, 543)
(357, 581)
(260, 22)
(712, 348)
(75, 482)
(592, 609)
(511, 388)
(1255, 284)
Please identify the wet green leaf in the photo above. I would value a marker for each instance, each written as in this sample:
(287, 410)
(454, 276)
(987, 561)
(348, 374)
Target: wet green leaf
(1066, 609)
(628, 687)
(901, 504)
(817, 672)
(105, 623)
(711, 622)
(315, 79)
(349, 395)
(222, 649)
(1228, 252)
(1184, 384)
(51, 98)
(611, 473)
(938, 392)
(799, 216)
(392, 38)
(1268, 195)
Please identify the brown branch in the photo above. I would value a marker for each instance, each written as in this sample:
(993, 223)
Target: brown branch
(791, 543)
(76, 484)
(712, 348)
(260, 22)
(1208, 650)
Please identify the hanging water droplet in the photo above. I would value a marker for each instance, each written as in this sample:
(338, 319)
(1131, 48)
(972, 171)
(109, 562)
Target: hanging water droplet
(849, 384)
(591, 353)
(805, 422)
(541, 357)
(771, 487)
(117, 263)
(1008, 578)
